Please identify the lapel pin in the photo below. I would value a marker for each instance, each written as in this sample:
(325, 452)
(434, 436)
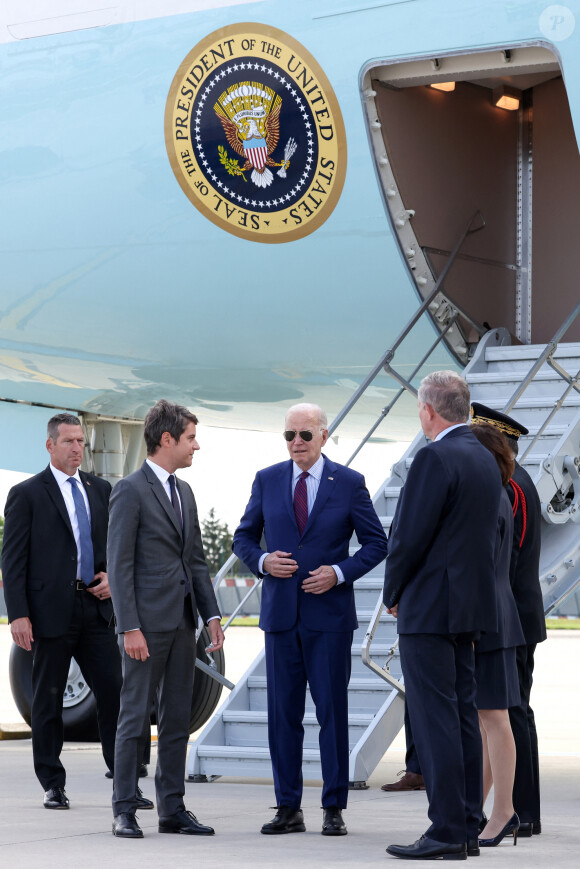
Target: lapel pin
(331, 478)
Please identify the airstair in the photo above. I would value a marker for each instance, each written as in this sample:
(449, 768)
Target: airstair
(540, 386)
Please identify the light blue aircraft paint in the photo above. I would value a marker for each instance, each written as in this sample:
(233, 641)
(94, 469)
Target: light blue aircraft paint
(116, 289)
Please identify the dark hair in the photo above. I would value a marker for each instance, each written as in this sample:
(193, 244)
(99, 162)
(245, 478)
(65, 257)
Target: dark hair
(60, 419)
(496, 442)
(165, 416)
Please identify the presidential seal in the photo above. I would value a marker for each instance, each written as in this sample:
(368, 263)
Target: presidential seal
(254, 134)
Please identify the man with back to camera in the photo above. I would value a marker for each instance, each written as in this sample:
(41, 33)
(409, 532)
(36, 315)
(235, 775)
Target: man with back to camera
(159, 579)
(308, 508)
(525, 582)
(439, 582)
(57, 595)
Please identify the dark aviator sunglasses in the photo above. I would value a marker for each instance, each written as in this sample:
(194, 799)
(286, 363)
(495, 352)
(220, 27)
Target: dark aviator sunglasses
(305, 435)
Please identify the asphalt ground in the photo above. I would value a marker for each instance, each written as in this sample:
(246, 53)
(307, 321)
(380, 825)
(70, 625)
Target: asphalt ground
(31, 836)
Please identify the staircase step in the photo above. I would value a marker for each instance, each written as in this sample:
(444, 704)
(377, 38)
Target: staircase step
(250, 728)
(250, 762)
(365, 695)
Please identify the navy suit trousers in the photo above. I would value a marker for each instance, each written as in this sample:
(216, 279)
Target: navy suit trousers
(323, 660)
(440, 689)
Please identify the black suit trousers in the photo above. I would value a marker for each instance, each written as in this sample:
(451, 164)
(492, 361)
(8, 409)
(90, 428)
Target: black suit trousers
(439, 673)
(527, 779)
(91, 641)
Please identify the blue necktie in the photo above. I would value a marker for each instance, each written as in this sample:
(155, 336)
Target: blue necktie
(86, 540)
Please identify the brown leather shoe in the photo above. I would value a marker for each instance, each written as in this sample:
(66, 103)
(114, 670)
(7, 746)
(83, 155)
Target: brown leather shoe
(410, 782)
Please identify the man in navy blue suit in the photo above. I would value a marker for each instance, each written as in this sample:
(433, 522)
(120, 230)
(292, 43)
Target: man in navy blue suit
(439, 582)
(308, 509)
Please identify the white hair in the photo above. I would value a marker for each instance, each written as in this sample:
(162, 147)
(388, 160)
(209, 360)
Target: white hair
(305, 407)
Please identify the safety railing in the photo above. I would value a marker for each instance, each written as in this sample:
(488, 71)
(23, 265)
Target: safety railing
(547, 356)
(366, 658)
(384, 364)
(211, 667)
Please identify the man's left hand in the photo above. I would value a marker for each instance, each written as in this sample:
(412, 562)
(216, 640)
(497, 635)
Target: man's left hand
(217, 635)
(320, 580)
(102, 590)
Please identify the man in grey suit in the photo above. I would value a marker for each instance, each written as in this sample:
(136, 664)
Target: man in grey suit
(159, 579)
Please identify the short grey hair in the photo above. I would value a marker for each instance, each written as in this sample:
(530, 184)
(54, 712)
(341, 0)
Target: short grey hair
(57, 420)
(448, 394)
(305, 407)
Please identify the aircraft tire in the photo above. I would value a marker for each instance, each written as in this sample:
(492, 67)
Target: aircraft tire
(80, 716)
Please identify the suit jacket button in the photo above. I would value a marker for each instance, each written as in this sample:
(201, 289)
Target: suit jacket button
(182, 582)
(299, 546)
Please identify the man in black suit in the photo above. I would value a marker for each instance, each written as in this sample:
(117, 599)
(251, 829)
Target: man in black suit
(57, 595)
(159, 580)
(439, 582)
(525, 581)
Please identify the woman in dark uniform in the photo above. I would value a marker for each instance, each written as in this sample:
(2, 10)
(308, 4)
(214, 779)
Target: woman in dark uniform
(495, 665)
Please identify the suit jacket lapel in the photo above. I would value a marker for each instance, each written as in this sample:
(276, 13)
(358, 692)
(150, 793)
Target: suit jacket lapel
(55, 494)
(162, 496)
(90, 497)
(286, 474)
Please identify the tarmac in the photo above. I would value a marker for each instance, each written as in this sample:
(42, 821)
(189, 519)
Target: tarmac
(31, 836)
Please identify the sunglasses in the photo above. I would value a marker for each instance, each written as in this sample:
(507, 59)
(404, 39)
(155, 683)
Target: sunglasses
(305, 435)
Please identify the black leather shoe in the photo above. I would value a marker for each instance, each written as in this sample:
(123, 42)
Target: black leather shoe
(184, 822)
(333, 825)
(286, 820)
(143, 771)
(125, 826)
(108, 774)
(426, 849)
(473, 848)
(526, 830)
(537, 828)
(482, 823)
(142, 802)
(55, 798)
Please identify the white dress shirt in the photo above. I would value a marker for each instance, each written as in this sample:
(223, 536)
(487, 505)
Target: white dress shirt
(447, 430)
(66, 488)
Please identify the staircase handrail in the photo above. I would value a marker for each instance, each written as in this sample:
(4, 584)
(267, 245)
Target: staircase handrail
(383, 671)
(384, 363)
(547, 355)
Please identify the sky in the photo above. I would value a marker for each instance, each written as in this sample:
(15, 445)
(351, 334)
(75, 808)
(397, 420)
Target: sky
(223, 469)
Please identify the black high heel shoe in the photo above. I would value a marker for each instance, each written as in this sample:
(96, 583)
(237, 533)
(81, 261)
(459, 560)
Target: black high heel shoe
(512, 826)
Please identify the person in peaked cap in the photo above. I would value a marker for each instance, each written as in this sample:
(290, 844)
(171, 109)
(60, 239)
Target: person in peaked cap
(525, 580)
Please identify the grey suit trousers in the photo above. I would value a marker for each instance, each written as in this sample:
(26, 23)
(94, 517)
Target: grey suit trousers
(167, 673)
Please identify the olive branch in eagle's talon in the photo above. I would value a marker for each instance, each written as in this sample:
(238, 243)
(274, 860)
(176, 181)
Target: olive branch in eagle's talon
(232, 167)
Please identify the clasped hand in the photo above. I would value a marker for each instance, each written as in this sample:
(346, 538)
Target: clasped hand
(282, 565)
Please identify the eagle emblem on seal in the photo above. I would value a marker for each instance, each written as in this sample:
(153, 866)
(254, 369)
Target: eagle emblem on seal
(250, 115)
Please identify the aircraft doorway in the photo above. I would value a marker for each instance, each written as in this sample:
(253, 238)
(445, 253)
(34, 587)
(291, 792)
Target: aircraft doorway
(442, 155)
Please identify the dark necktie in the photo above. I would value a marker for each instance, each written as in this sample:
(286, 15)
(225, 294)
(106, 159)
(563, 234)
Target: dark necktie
(178, 513)
(301, 502)
(175, 500)
(87, 566)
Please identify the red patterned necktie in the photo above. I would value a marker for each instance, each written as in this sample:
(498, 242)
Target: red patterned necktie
(301, 502)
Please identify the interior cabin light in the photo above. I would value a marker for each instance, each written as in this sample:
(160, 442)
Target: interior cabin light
(446, 86)
(505, 97)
